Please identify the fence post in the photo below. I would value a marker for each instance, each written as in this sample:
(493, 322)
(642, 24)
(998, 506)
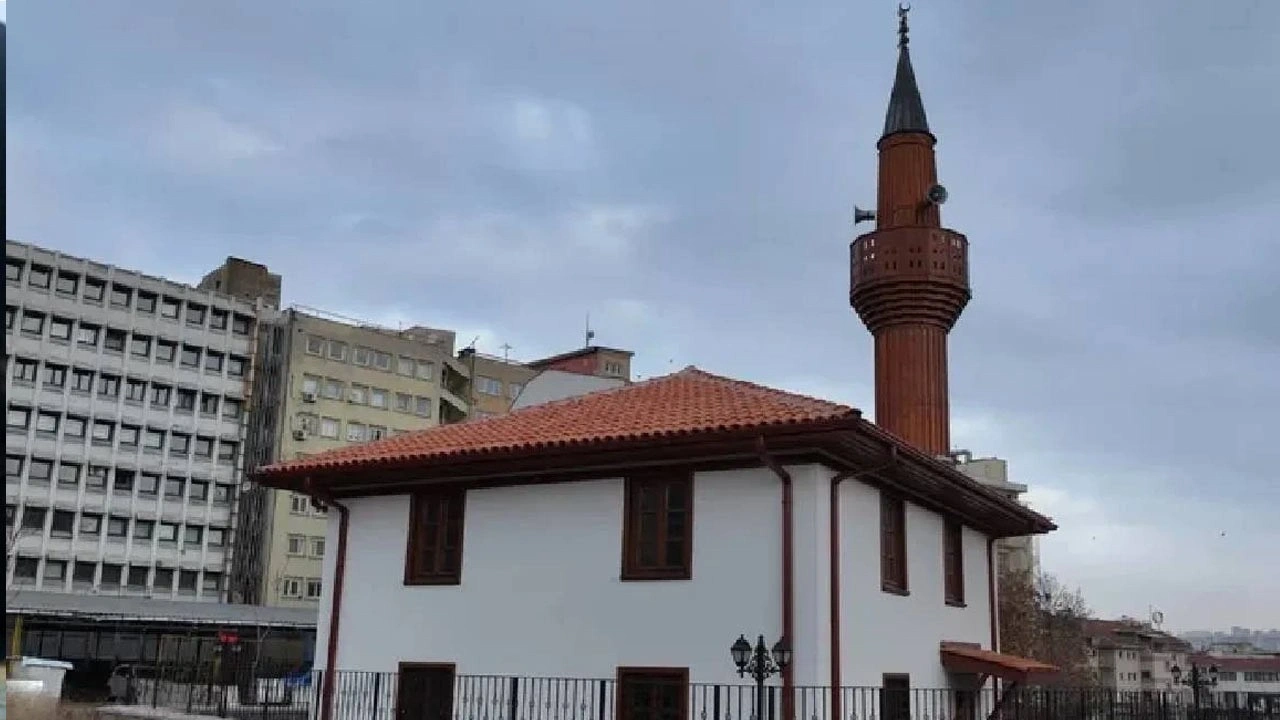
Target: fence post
(377, 693)
(603, 711)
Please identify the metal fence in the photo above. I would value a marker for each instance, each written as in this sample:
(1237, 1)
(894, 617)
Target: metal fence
(264, 694)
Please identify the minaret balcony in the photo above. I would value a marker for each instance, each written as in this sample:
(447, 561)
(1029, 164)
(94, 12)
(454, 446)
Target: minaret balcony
(909, 274)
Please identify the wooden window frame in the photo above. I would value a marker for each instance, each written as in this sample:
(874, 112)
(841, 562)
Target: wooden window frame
(894, 577)
(953, 562)
(631, 568)
(624, 674)
(414, 575)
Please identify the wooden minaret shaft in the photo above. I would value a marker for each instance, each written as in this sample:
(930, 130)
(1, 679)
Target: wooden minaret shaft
(909, 276)
(911, 354)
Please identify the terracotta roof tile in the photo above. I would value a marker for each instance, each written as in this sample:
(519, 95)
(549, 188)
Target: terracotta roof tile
(1256, 663)
(689, 402)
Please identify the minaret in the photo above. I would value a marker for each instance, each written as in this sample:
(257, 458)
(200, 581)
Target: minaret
(909, 276)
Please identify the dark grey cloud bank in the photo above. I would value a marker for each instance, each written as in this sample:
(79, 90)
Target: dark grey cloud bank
(686, 174)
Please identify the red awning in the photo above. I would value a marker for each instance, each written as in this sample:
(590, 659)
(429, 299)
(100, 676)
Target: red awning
(970, 658)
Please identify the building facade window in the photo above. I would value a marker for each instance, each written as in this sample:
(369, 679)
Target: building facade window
(435, 538)
(657, 533)
(953, 562)
(893, 544)
(488, 385)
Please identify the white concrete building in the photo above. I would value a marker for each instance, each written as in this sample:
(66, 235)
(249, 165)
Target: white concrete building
(1246, 680)
(642, 529)
(125, 399)
(550, 385)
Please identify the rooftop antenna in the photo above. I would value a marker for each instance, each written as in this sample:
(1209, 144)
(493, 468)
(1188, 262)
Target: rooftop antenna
(590, 333)
(506, 351)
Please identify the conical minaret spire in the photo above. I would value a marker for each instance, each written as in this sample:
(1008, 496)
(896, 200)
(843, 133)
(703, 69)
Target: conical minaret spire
(906, 109)
(910, 276)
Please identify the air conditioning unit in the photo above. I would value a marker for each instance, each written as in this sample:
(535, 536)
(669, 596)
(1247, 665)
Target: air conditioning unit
(299, 434)
(308, 397)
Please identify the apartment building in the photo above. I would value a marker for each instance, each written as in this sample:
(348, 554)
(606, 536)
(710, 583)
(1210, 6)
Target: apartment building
(1018, 554)
(497, 382)
(326, 381)
(1129, 656)
(1248, 678)
(126, 397)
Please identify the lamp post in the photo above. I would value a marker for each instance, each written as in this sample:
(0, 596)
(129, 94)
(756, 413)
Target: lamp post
(1197, 680)
(759, 663)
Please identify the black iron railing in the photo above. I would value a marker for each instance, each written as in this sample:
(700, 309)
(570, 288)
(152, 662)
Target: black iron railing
(283, 694)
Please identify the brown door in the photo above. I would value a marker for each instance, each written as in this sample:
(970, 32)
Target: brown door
(653, 693)
(425, 693)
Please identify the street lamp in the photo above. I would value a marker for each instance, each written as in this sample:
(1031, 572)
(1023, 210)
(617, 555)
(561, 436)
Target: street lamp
(1199, 679)
(760, 663)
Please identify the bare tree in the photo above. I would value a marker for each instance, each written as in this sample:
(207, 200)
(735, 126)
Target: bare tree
(13, 536)
(1043, 620)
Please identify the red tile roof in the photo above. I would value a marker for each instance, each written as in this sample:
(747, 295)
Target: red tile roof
(687, 403)
(1230, 663)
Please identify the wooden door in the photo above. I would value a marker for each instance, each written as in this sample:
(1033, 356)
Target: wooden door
(425, 692)
(653, 693)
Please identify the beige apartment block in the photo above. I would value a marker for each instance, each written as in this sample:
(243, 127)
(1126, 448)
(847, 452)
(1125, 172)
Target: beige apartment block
(1018, 554)
(497, 382)
(330, 381)
(1130, 656)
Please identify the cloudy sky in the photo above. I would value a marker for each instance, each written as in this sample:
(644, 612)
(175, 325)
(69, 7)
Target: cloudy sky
(685, 173)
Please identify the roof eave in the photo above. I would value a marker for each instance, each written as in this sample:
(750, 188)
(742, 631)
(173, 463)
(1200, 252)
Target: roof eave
(927, 480)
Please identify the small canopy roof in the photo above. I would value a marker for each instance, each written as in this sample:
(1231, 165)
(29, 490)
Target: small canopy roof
(969, 658)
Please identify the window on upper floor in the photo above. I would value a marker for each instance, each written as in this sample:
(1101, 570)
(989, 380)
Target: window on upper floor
(657, 533)
(68, 283)
(40, 276)
(94, 289)
(435, 538)
(488, 385)
(121, 295)
(13, 269)
(953, 562)
(217, 319)
(893, 544)
(146, 303)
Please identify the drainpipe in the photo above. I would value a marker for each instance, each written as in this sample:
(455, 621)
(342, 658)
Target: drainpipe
(993, 609)
(322, 500)
(833, 553)
(788, 612)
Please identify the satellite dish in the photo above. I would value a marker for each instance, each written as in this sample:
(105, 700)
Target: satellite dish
(937, 195)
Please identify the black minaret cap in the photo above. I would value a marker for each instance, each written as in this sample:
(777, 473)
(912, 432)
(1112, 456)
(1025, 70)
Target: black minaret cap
(906, 109)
